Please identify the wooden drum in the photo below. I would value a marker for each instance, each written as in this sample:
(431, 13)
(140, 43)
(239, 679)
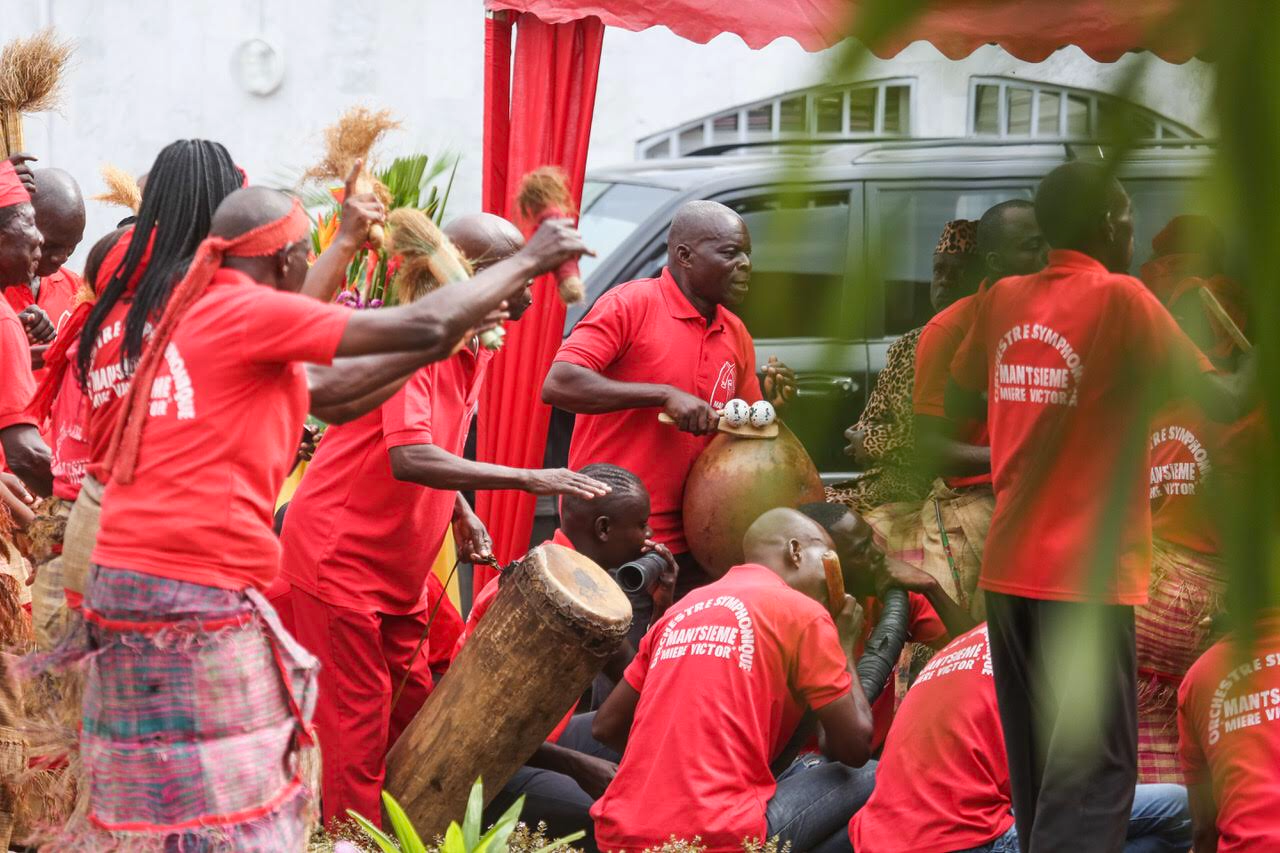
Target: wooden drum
(555, 621)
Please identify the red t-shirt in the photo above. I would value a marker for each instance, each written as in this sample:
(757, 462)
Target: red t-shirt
(108, 384)
(936, 347)
(647, 331)
(723, 679)
(357, 537)
(1073, 359)
(943, 781)
(68, 430)
(17, 385)
(57, 297)
(480, 606)
(923, 626)
(1229, 735)
(1187, 448)
(227, 409)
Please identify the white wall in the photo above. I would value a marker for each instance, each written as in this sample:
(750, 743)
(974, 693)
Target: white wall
(149, 71)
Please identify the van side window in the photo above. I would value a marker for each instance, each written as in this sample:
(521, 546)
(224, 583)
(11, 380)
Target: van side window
(906, 224)
(800, 250)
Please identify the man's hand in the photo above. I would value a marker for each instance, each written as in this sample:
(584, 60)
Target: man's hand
(471, 538)
(20, 166)
(593, 774)
(562, 481)
(360, 211)
(849, 625)
(40, 329)
(691, 414)
(779, 382)
(17, 499)
(307, 446)
(37, 356)
(663, 592)
(891, 572)
(856, 449)
(555, 242)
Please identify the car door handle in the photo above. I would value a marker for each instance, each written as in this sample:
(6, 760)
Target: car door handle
(825, 385)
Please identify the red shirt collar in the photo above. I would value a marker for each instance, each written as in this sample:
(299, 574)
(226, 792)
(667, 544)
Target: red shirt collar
(755, 570)
(679, 305)
(226, 275)
(1072, 259)
(558, 538)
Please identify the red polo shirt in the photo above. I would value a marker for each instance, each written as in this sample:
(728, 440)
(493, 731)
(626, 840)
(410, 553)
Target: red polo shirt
(107, 385)
(1074, 359)
(647, 331)
(723, 680)
(1187, 448)
(57, 297)
(1229, 735)
(938, 343)
(481, 606)
(356, 536)
(17, 385)
(226, 411)
(942, 783)
(69, 431)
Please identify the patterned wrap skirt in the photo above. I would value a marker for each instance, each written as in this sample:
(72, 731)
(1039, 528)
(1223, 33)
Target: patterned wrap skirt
(196, 730)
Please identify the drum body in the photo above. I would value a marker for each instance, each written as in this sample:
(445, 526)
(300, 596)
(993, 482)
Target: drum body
(555, 621)
(733, 482)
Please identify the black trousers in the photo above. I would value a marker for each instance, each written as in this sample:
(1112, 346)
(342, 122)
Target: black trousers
(1066, 682)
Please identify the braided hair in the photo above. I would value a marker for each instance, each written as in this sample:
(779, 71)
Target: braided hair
(188, 181)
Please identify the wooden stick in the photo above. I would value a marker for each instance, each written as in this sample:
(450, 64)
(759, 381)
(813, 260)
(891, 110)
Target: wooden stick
(364, 184)
(1220, 314)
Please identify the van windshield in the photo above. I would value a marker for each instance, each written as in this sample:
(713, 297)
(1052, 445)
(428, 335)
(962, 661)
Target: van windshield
(610, 214)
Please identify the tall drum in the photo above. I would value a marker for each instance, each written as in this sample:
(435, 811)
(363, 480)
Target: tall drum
(555, 621)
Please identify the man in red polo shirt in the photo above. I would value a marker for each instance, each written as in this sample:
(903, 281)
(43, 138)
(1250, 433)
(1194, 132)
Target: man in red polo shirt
(1229, 740)
(670, 345)
(59, 209)
(25, 452)
(942, 784)
(717, 690)
(933, 617)
(1074, 359)
(360, 535)
(957, 512)
(571, 770)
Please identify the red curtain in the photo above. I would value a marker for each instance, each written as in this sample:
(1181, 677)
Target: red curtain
(537, 114)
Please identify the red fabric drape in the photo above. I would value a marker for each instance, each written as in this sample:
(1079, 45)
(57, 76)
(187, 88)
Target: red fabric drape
(538, 115)
(1027, 29)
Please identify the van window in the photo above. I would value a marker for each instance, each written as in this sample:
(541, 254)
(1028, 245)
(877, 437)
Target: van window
(799, 252)
(1155, 202)
(907, 221)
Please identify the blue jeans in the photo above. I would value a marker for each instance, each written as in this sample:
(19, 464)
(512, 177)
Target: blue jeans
(1160, 823)
(816, 798)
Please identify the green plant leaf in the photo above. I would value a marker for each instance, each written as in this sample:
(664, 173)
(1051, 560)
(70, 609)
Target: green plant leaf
(475, 813)
(495, 840)
(561, 843)
(405, 833)
(453, 842)
(379, 837)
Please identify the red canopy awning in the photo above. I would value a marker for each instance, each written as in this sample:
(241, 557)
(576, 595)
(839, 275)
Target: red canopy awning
(1028, 29)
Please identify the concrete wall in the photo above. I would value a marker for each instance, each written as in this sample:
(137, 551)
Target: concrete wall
(149, 71)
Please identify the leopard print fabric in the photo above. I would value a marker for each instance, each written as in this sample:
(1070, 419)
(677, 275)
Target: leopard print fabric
(889, 436)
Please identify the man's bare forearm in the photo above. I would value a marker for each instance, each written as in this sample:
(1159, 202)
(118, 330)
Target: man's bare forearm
(577, 389)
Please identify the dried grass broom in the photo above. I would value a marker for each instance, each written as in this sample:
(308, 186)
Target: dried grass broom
(122, 188)
(350, 139)
(30, 81)
(544, 194)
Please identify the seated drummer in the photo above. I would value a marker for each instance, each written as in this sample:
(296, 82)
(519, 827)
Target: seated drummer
(571, 769)
(933, 617)
(668, 344)
(942, 783)
(717, 690)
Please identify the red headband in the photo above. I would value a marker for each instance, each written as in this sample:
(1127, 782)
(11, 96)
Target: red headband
(11, 189)
(267, 239)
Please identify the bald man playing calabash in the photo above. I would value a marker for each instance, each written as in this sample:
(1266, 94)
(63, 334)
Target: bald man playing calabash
(668, 344)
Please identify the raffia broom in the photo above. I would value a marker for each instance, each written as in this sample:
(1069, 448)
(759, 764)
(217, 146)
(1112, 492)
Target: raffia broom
(30, 77)
(122, 188)
(350, 139)
(544, 194)
(428, 260)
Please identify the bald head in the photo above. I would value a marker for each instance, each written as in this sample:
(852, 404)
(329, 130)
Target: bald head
(246, 209)
(792, 545)
(485, 239)
(709, 255)
(59, 209)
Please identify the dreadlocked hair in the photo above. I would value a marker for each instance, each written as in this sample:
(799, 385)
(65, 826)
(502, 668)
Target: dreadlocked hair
(187, 182)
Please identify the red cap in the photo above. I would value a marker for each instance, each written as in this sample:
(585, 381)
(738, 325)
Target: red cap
(11, 189)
